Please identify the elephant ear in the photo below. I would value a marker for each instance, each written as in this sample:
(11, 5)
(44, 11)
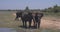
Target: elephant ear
(41, 15)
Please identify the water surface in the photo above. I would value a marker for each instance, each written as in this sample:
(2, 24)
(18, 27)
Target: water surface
(7, 30)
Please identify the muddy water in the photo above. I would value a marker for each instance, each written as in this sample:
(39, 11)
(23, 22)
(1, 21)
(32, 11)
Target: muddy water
(7, 30)
(26, 30)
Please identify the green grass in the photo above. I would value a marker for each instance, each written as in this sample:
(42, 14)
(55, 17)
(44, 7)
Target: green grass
(52, 14)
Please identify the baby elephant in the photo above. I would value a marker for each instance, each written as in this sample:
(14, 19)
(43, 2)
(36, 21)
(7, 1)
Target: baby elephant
(37, 19)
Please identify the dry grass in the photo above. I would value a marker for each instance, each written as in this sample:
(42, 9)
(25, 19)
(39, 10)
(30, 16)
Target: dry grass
(47, 22)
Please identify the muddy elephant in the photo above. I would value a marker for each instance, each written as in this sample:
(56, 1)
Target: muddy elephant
(37, 19)
(28, 17)
(25, 17)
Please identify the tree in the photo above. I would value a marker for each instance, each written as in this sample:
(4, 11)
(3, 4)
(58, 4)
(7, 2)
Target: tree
(55, 8)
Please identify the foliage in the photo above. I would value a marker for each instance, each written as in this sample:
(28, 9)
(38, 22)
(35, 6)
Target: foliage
(54, 9)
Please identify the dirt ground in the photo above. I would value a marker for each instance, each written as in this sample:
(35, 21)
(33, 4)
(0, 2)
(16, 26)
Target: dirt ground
(50, 22)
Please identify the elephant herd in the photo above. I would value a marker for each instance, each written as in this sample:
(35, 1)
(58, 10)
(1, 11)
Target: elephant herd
(28, 17)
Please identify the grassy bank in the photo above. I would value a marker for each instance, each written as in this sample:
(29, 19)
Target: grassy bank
(7, 21)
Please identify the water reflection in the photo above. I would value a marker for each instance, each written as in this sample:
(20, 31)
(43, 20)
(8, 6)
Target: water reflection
(7, 30)
(26, 30)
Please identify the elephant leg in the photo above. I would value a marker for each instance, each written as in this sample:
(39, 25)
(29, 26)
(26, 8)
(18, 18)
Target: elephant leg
(25, 24)
(39, 24)
(34, 23)
(30, 24)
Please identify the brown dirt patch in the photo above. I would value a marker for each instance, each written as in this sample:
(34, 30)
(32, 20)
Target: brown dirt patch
(50, 22)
